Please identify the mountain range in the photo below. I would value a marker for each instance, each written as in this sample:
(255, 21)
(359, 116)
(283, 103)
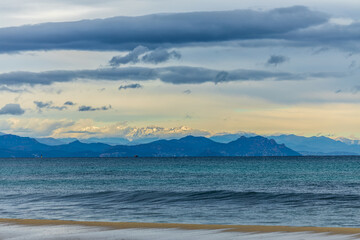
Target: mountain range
(240, 144)
(15, 146)
(318, 145)
(315, 145)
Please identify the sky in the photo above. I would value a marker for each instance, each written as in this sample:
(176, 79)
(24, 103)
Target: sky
(137, 68)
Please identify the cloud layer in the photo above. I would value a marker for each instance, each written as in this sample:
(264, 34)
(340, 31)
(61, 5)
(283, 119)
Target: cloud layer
(172, 75)
(125, 33)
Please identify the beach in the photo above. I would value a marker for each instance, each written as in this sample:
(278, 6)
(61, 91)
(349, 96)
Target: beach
(180, 198)
(17, 229)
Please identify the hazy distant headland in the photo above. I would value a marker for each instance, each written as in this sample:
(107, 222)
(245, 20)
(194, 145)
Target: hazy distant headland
(190, 146)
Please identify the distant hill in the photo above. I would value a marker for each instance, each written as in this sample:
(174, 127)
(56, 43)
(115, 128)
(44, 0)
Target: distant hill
(220, 145)
(317, 145)
(50, 141)
(110, 141)
(15, 146)
(229, 137)
(348, 141)
(24, 144)
(201, 146)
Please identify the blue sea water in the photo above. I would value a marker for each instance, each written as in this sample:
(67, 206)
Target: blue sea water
(292, 191)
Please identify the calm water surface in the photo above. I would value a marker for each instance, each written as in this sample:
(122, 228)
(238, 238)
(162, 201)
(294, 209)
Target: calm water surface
(298, 191)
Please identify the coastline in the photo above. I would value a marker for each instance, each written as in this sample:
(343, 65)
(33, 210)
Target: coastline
(181, 226)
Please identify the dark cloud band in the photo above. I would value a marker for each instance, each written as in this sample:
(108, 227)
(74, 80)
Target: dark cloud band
(130, 86)
(172, 75)
(159, 29)
(91, 109)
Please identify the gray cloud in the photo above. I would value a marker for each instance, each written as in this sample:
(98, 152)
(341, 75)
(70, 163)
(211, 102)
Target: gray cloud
(160, 55)
(6, 89)
(131, 86)
(320, 50)
(276, 60)
(194, 75)
(131, 57)
(352, 64)
(356, 89)
(173, 75)
(69, 103)
(156, 56)
(40, 104)
(160, 30)
(48, 105)
(328, 35)
(12, 109)
(89, 108)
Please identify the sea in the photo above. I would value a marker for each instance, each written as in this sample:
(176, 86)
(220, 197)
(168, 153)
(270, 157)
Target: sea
(321, 191)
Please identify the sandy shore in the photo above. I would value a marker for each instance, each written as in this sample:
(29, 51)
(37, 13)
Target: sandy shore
(225, 228)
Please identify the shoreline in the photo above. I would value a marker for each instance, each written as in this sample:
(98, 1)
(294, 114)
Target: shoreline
(183, 226)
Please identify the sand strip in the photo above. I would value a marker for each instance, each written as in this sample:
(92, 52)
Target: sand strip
(230, 228)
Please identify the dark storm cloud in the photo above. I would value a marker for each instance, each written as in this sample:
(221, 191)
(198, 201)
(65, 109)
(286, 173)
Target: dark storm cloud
(159, 30)
(172, 75)
(89, 108)
(275, 60)
(12, 109)
(131, 86)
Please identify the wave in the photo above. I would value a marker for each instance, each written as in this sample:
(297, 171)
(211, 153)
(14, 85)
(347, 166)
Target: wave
(168, 197)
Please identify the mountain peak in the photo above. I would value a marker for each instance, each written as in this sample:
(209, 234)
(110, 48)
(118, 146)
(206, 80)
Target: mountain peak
(76, 142)
(191, 137)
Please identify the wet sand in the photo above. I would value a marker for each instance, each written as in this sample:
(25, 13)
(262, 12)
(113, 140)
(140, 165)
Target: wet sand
(224, 228)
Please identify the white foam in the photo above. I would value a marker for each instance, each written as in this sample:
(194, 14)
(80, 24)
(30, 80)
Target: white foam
(71, 232)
